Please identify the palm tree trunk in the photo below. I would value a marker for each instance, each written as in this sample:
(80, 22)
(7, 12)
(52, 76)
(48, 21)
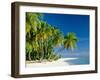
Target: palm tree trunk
(42, 56)
(47, 47)
(41, 50)
(29, 56)
(46, 53)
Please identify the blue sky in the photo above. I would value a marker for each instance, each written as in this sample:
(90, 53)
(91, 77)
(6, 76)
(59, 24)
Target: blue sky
(72, 23)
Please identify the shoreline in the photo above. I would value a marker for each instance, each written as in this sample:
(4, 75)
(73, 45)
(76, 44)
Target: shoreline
(59, 62)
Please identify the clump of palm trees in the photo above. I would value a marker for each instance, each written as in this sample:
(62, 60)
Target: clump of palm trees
(42, 38)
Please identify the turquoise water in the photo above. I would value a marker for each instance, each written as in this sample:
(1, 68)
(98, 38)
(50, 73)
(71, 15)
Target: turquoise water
(81, 53)
(81, 58)
(79, 61)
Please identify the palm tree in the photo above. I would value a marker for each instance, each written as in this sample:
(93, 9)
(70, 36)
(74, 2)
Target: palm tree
(32, 25)
(42, 38)
(33, 21)
(70, 41)
(58, 39)
(28, 50)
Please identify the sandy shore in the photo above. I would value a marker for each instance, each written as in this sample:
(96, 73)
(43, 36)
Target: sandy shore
(60, 62)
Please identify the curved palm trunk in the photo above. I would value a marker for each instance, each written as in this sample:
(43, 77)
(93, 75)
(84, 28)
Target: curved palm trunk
(29, 56)
(45, 49)
(42, 51)
(42, 56)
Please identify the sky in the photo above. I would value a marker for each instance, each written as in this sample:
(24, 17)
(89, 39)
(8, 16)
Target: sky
(72, 23)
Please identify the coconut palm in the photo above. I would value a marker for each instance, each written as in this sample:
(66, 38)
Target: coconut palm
(28, 50)
(42, 38)
(58, 38)
(32, 24)
(70, 41)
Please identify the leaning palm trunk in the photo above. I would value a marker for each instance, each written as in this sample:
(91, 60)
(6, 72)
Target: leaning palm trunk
(45, 48)
(29, 56)
(42, 51)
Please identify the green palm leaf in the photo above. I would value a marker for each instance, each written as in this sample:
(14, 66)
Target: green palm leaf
(70, 41)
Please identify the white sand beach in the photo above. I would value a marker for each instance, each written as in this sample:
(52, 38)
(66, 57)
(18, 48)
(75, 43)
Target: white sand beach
(60, 62)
